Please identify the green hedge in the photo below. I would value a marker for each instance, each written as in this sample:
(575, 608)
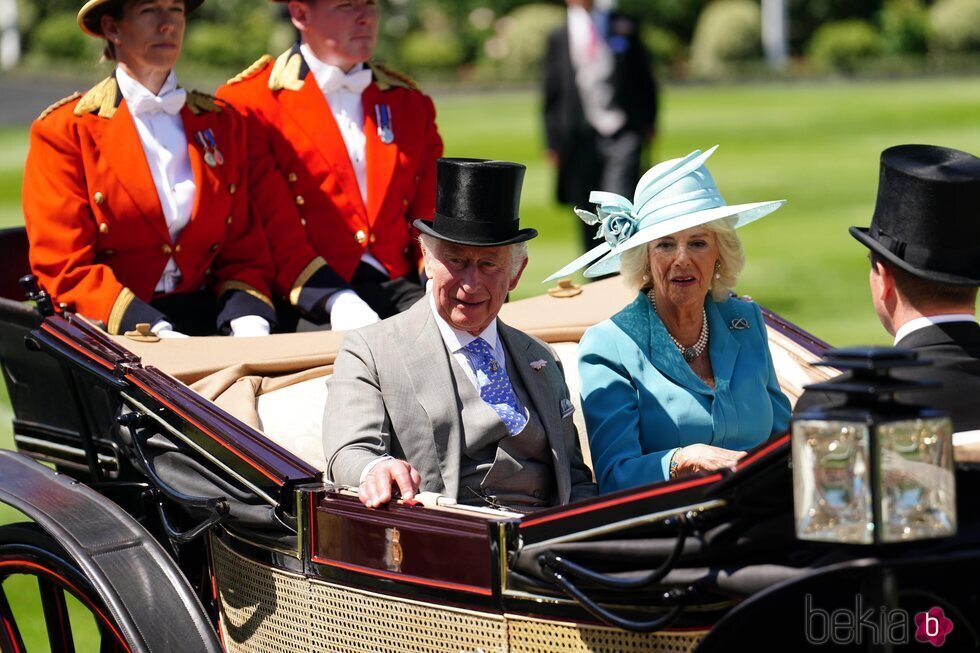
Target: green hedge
(955, 25)
(904, 27)
(842, 46)
(728, 32)
(58, 38)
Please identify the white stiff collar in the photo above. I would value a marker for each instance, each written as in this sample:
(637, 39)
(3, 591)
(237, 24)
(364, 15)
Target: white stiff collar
(929, 320)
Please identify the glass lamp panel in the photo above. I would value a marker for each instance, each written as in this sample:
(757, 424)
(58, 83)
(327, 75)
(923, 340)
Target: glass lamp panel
(917, 487)
(831, 481)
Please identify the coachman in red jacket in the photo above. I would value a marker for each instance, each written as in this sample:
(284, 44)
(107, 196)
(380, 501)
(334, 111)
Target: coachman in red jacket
(135, 193)
(342, 157)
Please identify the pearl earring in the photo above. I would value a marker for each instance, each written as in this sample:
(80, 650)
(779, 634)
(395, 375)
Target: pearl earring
(717, 269)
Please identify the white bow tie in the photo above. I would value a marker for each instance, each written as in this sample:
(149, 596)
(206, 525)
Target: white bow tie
(169, 103)
(354, 82)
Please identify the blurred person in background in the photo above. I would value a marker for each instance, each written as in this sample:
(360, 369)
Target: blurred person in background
(600, 104)
(343, 153)
(924, 248)
(681, 380)
(134, 193)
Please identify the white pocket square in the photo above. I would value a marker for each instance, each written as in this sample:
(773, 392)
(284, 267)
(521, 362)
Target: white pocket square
(567, 408)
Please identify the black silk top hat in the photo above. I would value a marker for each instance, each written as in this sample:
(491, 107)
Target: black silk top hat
(927, 216)
(477, 203)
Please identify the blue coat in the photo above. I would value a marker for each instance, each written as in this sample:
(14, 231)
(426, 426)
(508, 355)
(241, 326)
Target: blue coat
(642, 400)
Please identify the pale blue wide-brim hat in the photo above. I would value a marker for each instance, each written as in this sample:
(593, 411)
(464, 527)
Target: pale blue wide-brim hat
(671, 196)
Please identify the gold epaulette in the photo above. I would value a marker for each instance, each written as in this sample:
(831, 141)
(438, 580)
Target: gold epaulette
(285, 72)
(252, 70)
(388, 77)
(59, 103)
(101, 98)
(200, 103)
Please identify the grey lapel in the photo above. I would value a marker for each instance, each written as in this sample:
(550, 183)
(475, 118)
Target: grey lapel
(427, 366)
(542, 389)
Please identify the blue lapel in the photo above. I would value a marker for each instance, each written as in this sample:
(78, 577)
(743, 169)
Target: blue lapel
(723, 347)
(639, 318)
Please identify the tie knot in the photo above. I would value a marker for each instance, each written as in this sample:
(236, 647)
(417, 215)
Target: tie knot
(355, 82)
(480, 347)
(169, 103)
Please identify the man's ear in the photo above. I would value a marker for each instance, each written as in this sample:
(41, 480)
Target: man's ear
(427, 263)
(299, 14)
(517, 277)
(882, 282)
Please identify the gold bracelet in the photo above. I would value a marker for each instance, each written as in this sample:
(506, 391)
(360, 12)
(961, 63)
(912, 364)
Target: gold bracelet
(672, 468)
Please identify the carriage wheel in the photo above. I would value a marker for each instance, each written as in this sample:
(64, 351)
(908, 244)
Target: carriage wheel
(36, 571)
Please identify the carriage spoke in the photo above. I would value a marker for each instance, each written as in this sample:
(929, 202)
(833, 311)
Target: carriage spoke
(10, 639)
(56, 616)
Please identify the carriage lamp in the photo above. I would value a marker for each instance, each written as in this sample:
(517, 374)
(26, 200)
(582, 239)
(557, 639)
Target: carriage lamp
(868, 469)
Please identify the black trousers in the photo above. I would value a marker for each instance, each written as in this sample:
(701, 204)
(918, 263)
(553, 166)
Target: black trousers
(385, 296)
(193, 313)
(596, 162)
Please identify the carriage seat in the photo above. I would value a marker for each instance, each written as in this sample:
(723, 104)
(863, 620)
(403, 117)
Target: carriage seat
(292, 416)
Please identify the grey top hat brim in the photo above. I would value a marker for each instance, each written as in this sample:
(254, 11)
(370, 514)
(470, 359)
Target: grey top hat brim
(425, 227)
(863, 236)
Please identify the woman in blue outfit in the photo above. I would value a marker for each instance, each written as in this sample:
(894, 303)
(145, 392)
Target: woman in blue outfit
(681, 380)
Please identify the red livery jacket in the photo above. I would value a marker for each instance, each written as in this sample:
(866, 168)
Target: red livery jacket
(303, 186)
(98, 236)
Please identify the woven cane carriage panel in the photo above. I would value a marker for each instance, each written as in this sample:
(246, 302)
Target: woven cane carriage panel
(362, 622)
(535, 635)
(262, 610)
(265, 610)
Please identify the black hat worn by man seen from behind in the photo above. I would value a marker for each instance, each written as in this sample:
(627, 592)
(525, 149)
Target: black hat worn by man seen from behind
(477, 203)
(927, 215)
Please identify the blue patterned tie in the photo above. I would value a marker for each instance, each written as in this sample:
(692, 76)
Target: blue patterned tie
(495, 387)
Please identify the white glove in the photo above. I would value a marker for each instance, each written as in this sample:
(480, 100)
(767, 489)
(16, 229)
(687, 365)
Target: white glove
(165, 329)
(248, 326)
(348, 311)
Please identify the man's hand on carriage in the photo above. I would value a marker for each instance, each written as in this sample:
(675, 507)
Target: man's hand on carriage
(376, 486)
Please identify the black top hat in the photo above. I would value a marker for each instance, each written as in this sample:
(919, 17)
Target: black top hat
(927, 216)
(477, 203)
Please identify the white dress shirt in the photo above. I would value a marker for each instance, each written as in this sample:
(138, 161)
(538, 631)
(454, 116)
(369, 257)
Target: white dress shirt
(165, 146)
(456, 342)
(929, 320)
(347, 107)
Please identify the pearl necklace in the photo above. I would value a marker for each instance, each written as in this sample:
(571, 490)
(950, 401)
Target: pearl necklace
(695, 350)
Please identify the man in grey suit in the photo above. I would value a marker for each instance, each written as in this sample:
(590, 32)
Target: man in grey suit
(444, 397)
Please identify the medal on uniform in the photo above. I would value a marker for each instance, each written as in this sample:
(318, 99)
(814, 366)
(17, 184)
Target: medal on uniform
(382, 114)
(219, 159)
(212, 155)
(209, 158)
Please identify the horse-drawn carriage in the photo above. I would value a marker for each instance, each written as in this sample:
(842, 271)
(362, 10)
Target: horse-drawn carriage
(182, 503)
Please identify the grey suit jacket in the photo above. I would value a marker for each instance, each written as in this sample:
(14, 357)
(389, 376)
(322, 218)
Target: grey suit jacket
(392, 392)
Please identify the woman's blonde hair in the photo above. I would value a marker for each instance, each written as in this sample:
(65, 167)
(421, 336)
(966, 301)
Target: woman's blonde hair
(635, 262)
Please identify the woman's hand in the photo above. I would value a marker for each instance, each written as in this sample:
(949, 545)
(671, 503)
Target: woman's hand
(704, 458)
